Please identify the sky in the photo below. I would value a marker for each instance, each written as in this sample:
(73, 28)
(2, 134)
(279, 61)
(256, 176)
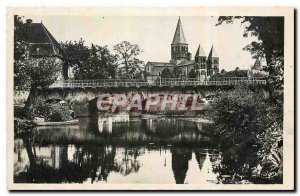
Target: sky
(154, 35)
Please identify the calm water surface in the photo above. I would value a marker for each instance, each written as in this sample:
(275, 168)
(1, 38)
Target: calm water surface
(118, 150)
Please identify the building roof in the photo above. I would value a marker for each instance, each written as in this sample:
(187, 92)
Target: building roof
(212, 52)
(163, 64)
(179, 37)
(257, 65)
(200, 51)
(160, 64)
(184, 63)
(39, 34)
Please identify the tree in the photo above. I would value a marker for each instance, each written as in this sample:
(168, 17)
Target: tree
(38, 73)
(127, 56)
(177, 72)
(32, 73)
(95, 62)
(236, 73)
(21, 37)
(245, 123)
(193, 74)
(100, 64)
(166, 73)
(270, 45)
(75, 54)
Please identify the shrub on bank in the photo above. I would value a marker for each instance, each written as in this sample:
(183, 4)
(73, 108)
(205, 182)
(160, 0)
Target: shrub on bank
(249, 130)
(55, 112)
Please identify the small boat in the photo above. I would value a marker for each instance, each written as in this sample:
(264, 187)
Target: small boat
(69, 122)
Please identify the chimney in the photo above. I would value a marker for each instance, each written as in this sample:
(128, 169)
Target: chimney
(29, 21)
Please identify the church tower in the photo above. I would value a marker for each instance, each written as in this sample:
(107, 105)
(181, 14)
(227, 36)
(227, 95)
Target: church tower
(200, 63)
(179, 47)
(212, 62)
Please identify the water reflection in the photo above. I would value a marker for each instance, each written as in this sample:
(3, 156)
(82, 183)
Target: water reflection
(158, 150)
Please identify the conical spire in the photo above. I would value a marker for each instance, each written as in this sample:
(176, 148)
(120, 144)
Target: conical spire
(257, 65)
(200, 51)
(212, 52)
(179, 35)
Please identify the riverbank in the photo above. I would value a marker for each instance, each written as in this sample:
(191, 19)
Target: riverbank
(23, 125)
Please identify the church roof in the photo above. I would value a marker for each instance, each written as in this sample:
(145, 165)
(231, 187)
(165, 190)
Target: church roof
(185, 63)
(200, 51)
(160, 64)
(257, 65)
(179, 35)
(167, 64)
(212, 52)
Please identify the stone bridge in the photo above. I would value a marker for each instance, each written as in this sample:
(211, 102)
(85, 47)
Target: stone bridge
(82, 95)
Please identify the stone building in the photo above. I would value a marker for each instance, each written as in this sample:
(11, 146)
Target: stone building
(181, 63)
(42, 44)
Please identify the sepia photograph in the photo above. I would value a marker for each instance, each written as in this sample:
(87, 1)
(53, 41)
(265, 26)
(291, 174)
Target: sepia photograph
(150, 98)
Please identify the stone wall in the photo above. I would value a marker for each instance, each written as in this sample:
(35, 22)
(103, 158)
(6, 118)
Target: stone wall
(82, 98)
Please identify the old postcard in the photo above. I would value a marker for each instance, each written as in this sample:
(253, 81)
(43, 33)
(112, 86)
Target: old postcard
(150, 98)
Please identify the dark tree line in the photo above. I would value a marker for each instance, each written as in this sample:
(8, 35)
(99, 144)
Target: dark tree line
(249, 120)
(97, 62)
(86, 62)
(270, 45)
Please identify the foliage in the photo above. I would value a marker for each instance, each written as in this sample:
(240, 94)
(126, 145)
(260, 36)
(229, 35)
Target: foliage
(74, 54)
(270, 155)
(270, 45)
(29, 72)
(127, 56)
(177, 72)
(100, 64)
(37, 73)
(235, 73)
(242, 116)
(53, 112)
(192, 74)
(21, 36)
(95, 62)
(257, 122)
(166, 73)
(236, 113)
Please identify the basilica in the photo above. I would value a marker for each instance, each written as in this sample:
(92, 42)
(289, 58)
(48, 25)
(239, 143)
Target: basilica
(181, 63)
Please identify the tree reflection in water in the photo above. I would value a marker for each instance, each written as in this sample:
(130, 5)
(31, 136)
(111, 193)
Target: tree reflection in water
(84, 154)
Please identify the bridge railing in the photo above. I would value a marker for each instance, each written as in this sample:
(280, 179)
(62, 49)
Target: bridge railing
(213, 82)
(160, 82)
(98, 83)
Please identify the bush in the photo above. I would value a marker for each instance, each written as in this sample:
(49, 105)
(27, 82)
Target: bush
(249, 130)
(53, 112)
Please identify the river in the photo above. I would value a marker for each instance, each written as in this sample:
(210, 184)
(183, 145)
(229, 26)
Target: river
(118, 150)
